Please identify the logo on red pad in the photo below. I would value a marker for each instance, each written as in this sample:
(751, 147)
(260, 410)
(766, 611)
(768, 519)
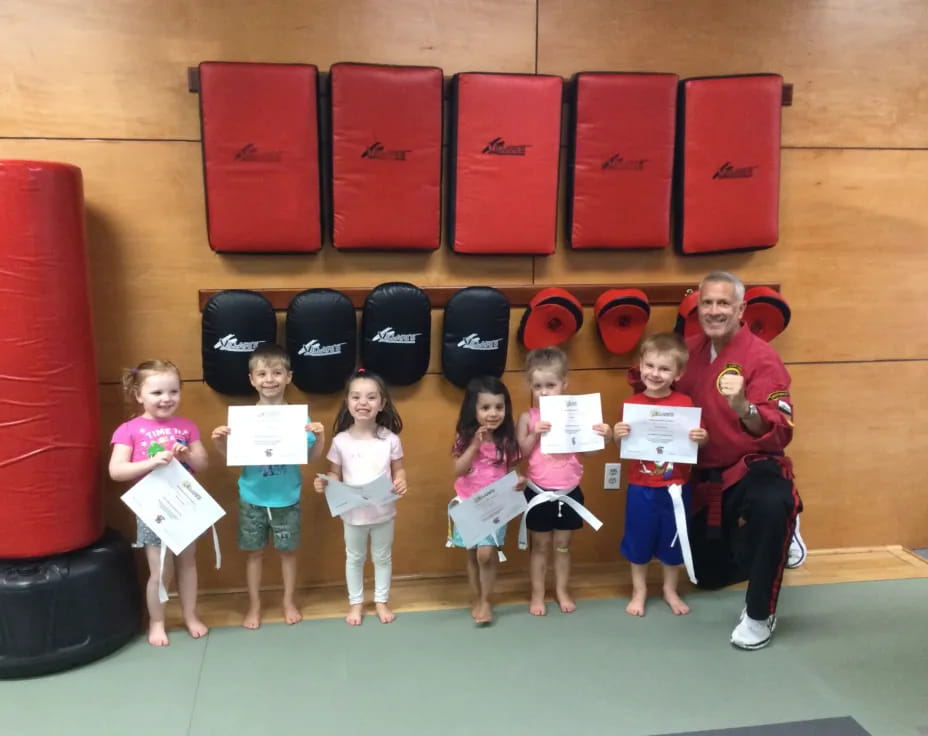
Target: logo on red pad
(250, 152)
(377, 151)
(617, 163)
(727, 171)
(498, 147)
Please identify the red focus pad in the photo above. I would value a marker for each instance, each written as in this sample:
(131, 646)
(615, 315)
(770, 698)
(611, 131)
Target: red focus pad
(553, 316)
(49, 415)
(386, 156)
(766, 313)
(728, 168)
(260, 157)
(687, 323)
(504, 171)
(621, 316)
(622, 160)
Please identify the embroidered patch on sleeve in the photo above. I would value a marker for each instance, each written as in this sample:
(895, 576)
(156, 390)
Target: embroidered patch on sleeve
(778, 395)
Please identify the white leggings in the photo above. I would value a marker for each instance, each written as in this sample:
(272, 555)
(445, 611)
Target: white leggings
(356, 553)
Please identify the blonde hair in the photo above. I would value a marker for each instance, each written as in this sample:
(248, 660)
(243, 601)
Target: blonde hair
(268, 353)
(546, 359)
(667, 343)
(133, 378)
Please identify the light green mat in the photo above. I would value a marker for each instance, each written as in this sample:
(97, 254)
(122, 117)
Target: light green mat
(856, 649)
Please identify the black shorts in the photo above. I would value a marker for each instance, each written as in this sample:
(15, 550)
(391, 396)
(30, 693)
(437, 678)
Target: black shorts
(546, 517)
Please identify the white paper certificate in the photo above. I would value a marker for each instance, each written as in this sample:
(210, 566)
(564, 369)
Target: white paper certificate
(267, 435)
(572, 419)
(341, 497)
(176, 507)
(488, 509)
(660, 433)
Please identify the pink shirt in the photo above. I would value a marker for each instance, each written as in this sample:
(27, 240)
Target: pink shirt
(364, 460)
(556, 472)
(484, 470)
(141, 433)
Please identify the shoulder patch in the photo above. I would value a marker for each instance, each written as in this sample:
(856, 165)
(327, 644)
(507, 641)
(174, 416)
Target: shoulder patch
(778, 395)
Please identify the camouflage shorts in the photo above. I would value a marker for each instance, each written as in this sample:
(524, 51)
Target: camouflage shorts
(255, 523)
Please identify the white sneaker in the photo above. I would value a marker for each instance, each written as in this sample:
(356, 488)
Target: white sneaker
(751, 633)
(797, 549)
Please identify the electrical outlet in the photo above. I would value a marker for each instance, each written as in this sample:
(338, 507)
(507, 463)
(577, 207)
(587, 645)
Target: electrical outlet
(613, 476)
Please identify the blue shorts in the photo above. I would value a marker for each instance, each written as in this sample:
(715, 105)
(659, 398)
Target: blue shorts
(650, 529)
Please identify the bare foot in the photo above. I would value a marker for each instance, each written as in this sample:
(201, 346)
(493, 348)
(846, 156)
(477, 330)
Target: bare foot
(635, 606)
(676, 603)
(567, 603)
(292, 614)
(252, 618)
(354, 615)
(196, 627)
(384, 613)
(475, 610)
(157, 636)
(537, 607)
(484, 613)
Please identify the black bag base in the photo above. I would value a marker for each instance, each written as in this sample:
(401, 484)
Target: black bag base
(63, 611)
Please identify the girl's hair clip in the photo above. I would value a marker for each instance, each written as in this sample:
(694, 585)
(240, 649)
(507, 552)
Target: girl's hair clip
(361, 371)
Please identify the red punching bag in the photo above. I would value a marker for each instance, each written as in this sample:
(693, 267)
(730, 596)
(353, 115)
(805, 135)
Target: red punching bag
(49, 413)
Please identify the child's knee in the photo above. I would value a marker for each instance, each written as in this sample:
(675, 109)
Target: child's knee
(541, 542)
(487, 555)
(382, 556)
(355, 557)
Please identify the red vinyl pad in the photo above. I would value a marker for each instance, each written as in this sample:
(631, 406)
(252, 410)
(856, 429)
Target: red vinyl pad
(728, 172)
(49, 415)
(504, 176)
(553, 316)
(687, 322)
(766, 312)
(260, 157)
(622, 153)
(386, 156)
(621, 316)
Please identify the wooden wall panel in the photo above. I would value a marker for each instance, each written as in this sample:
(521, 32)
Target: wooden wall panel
(857, 66)
(117, 68)
(858, 448)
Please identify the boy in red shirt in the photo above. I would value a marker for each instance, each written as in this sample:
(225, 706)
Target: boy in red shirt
(650, 525)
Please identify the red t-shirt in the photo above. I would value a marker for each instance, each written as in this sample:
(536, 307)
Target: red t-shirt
(650, 473)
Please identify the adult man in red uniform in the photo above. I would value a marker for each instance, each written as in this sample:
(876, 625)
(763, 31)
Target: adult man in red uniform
(745, 505)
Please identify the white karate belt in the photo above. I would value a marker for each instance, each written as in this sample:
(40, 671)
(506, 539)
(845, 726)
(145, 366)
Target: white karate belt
(162, 591)
(544, 496)
(679, 517)
(450, 543)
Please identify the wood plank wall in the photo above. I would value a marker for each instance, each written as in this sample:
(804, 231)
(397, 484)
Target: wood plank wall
(103, 85)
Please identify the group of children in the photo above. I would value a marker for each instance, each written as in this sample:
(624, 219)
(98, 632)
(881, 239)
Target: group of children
(488, 444)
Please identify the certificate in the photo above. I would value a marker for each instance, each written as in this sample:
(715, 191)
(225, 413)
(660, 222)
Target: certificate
(341, 497)
(572, 419)
(488, 509)
(176, 507)
(660, 433)
(273, 434)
